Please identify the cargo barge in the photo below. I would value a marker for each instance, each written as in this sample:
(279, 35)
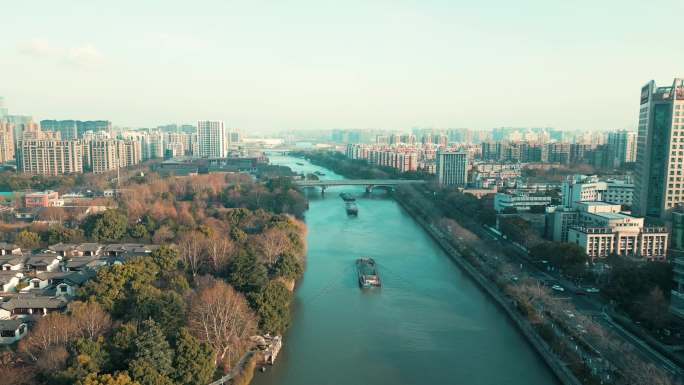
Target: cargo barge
(352, 209)
(367, 272)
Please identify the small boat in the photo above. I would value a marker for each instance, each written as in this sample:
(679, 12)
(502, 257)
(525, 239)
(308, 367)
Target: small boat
(352, 209)
(368, 273)
(347, 197)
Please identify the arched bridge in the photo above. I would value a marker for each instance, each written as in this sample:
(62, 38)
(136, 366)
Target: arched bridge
(370, 184)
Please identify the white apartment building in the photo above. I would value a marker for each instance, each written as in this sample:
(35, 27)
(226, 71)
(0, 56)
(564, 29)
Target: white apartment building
(212, 139)
(452, 168)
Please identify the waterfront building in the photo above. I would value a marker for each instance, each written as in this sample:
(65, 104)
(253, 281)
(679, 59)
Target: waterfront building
(660, 150)
(505, 202)
(212, 139)
(6, 142)
(452, 168)
(40, 153)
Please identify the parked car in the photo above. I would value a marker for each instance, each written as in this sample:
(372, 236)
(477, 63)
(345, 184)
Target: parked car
(592, 290)
(558, 288)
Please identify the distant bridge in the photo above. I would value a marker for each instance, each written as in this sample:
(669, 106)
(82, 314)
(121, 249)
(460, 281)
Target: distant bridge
(370, 184)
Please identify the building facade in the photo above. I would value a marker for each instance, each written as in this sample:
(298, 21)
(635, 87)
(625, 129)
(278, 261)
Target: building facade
(622, 145)
(602, 230)
(660, 150)
(46, 155)
(212, 139)
(6, 142)
(452, 168)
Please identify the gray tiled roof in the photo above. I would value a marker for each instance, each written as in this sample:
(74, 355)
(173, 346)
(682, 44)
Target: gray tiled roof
(34, 302)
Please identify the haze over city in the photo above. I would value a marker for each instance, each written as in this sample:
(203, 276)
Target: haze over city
(267, 65)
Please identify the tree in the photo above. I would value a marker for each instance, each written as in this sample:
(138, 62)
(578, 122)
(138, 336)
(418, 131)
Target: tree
(272, 305)
(108, 226)
(288, 267)
(654, 309)
(272, 244)
(191, 248)
(138, 231)
(55, 329)
(153, 357)
(90, 319)
(28, 240)
(85, 357)
(221, 317)
(246, 273)
(107, 379)
(218, 250)
(59, 233)
(194, 361)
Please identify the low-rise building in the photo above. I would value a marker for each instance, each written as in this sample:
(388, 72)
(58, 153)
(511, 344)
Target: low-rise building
(12, 331)
(519, 202)
(602, 230)
(43, 199)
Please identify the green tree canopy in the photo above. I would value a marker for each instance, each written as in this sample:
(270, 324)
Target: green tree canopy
(109, 226)
(194, 361)
(272, 305)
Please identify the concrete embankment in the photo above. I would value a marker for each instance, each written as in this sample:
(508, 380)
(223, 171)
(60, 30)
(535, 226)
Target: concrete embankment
(561, 371)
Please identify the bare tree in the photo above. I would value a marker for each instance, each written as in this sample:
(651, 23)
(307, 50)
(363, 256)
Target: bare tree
(90, 319)
(221, 317)
(218, 250)
(191, 248)
(272, 244)
(52, 330)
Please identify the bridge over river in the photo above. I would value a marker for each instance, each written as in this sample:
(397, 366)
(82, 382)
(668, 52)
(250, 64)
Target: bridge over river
(370, 184)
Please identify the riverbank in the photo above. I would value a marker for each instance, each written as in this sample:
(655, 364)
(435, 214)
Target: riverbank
(542, 348)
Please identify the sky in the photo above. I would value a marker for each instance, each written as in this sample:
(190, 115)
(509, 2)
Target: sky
(299, 64)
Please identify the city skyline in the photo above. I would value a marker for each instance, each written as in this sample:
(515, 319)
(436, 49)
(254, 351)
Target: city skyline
(366, 65)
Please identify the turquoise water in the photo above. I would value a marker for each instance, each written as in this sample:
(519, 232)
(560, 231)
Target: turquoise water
(428, 324)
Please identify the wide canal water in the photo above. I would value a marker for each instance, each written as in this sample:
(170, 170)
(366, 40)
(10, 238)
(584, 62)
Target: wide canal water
(428, 324)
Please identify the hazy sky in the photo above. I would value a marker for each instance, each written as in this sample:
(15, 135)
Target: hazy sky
(355, 63)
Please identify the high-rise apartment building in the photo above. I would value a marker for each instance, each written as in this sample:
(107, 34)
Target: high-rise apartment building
(660, 150)
(6, 142)
(103, 155)
(153, 145)
(452, 168)
(110, 154)
(622, 145)
(40, 153)
(212, 139)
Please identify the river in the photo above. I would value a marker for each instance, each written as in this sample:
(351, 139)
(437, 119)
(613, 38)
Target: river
(428, 324)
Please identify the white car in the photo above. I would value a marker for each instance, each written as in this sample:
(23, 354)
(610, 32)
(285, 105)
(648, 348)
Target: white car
(592, 290)
(557, 288)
